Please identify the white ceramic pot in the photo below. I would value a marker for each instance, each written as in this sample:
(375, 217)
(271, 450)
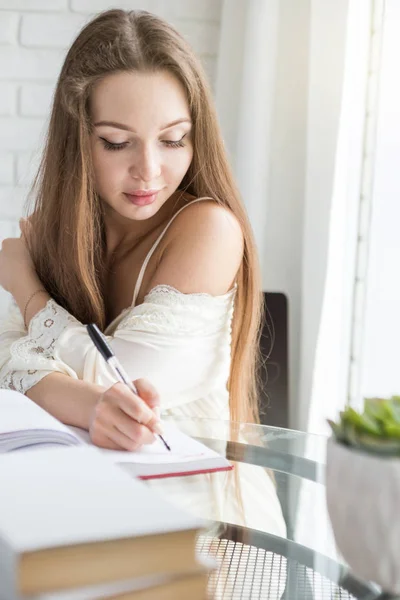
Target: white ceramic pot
(363, 497)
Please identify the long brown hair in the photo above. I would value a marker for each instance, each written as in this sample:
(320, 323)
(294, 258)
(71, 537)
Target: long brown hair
(68, 242)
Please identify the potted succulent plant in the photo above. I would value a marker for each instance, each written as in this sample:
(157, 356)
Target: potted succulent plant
(363, 490)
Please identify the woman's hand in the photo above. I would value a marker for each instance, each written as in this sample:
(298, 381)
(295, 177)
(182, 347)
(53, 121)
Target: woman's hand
(122, 420)
(15, 260)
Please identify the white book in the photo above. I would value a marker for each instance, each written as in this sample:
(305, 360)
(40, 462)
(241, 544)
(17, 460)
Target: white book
(25, 425)
(69, 518)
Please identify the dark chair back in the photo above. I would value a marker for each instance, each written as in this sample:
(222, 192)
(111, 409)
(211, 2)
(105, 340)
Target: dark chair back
(274, 392)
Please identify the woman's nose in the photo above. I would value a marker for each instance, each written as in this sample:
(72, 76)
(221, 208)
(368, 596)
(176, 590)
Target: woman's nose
(146, 165)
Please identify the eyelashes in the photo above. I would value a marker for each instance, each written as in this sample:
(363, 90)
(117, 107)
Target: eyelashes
(172, 144)
(109, 146)
(169, 143)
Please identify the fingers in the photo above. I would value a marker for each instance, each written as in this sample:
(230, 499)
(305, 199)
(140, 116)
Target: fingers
(114, 439)
(111, 439)
(122, 420)
(135, 407)
(101, 439)
(112, 428)
(137, 433)
(149, 394)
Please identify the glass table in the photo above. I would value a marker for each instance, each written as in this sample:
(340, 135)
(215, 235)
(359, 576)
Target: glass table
(268, 525)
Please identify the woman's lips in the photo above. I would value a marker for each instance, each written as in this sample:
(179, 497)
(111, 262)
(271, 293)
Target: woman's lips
(141, 200)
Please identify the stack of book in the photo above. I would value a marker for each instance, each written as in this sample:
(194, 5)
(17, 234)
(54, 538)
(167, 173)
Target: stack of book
(75, 526)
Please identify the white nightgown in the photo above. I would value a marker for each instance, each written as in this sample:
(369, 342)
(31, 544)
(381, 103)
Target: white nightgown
(181, 343)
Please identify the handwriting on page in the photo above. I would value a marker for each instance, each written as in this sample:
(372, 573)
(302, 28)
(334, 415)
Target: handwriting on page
(180, 450)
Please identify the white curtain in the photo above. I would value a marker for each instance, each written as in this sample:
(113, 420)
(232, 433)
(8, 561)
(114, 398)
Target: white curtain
(290, 94)
(261, 92)
(353, 166)
(244, 98)
(324, 376)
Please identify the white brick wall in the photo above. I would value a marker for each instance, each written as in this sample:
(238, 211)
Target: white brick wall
(34, 36)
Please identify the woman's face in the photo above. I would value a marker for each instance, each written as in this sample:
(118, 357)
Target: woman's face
(141, 141)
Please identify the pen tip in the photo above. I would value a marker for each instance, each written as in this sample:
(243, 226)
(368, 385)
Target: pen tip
(165, 443)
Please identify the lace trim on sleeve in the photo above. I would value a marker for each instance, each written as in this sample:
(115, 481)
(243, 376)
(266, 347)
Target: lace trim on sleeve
(44, 330)
(167, 310)
(32, 356)
(22, 381)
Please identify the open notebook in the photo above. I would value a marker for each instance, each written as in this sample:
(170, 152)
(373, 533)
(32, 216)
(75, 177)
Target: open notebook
(23, 424)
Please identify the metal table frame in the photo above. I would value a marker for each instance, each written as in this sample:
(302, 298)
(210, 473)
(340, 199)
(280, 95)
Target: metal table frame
(293, 552)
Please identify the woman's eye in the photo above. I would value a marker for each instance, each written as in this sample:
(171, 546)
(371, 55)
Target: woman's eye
(169, 143)
(175, 144)
(110, 146)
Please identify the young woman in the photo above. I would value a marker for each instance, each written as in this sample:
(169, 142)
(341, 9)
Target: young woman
(137, 226)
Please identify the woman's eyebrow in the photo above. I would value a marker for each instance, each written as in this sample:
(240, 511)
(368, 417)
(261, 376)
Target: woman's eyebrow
(126, 128)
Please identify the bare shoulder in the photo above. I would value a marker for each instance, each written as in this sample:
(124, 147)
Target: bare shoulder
(207, 218)
(203, 250)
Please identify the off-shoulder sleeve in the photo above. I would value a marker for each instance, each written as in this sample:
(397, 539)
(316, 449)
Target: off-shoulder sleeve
(179, 342)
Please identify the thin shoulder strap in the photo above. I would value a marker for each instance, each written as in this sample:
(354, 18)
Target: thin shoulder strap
(154, 246)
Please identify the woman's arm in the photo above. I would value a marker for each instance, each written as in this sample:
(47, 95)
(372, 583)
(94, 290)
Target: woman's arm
(18, 275)
(71, 401)
(115, 417)
(23, 291)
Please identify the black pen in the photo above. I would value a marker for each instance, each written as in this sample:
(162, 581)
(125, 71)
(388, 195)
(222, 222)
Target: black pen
(101, 344)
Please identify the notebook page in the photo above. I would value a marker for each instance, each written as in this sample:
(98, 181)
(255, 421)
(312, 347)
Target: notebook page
(19, 413)
(184, 449)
